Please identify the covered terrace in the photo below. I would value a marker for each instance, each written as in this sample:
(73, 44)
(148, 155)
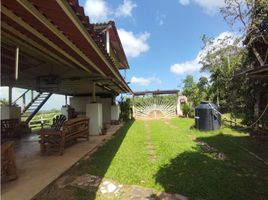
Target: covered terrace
(51, 47)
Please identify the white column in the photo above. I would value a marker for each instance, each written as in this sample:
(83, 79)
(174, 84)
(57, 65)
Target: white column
(94, 113)
(115, 112)
(106, 109)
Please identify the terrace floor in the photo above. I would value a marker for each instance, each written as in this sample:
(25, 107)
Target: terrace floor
(36, 172)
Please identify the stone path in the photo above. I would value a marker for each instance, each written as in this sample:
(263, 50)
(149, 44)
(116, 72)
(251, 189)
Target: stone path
(113, 190)
(148, 143)
(211, 150)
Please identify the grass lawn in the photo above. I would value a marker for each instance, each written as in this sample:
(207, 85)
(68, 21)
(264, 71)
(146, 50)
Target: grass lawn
(165, 156)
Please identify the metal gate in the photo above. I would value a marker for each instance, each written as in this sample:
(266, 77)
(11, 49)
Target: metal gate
(155, 106)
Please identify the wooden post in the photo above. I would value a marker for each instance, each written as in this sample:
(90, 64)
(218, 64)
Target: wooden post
(23, 101)
(17, 64)
(66, 103)
(93, 92)
(32, 94)
(10, 95)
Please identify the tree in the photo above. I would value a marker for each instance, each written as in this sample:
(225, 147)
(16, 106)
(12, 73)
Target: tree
(191, 91)
(188, 85)
(221, 58)
(238, 12)
(234, 90)
(203, 87)
(125, 108)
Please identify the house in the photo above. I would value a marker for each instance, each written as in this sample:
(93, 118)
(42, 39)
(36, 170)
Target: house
(52, 48)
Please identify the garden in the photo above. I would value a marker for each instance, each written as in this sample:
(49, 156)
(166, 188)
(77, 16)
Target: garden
(169, 156)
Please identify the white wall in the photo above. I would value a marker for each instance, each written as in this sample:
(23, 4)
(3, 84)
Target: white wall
(79, 103)
(12, 112)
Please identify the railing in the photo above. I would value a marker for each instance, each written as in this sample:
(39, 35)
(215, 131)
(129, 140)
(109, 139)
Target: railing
(23, 97)
(40, 123)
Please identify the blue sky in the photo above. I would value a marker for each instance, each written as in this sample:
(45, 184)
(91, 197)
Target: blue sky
(162, 39)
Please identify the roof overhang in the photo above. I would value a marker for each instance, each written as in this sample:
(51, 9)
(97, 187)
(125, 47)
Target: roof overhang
(55, 39)
(116, 45)
(260, 72)
(155, 92)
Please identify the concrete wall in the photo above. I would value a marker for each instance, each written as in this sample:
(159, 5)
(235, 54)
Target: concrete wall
(79, 103)
(13, 112)
(99, 113)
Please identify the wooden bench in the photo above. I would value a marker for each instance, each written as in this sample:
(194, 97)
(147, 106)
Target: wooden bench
(72, 130)
(8, 165)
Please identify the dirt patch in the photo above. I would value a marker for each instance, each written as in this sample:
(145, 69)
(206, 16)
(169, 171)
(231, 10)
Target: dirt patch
(148, 143)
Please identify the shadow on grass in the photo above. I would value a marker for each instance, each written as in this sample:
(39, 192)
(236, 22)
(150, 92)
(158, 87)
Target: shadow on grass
(99, 161)
(198, 175)
(97, 164)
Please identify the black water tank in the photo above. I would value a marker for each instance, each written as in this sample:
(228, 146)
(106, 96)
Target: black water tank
(206, 116)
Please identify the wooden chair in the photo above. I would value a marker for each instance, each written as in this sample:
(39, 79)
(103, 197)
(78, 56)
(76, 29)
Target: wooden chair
(8, 165)
(10, 128)
(57, 122)
(72, 130)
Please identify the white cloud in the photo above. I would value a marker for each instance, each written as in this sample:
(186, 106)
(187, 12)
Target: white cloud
(145, 81)
(97, 10)
(185, 67)
(209, 6)
(184, 2)
(194, 65)
(125, 9)
(133, 44)
(223, 39)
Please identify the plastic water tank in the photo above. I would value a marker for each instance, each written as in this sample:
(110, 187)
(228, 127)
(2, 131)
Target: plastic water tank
(206, 116)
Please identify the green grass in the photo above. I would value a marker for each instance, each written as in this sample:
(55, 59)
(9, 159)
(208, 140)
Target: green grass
(181, 166)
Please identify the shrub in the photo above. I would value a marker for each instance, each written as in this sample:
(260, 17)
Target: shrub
(125, 108)
(186, 109)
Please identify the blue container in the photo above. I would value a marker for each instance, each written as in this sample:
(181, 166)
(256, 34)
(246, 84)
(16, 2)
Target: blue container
(207, 117)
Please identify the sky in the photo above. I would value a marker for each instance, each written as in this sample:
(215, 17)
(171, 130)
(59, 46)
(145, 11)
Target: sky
(161, 39)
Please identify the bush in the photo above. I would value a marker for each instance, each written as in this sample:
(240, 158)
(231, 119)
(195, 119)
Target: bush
(125, 108)
(186, 109)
